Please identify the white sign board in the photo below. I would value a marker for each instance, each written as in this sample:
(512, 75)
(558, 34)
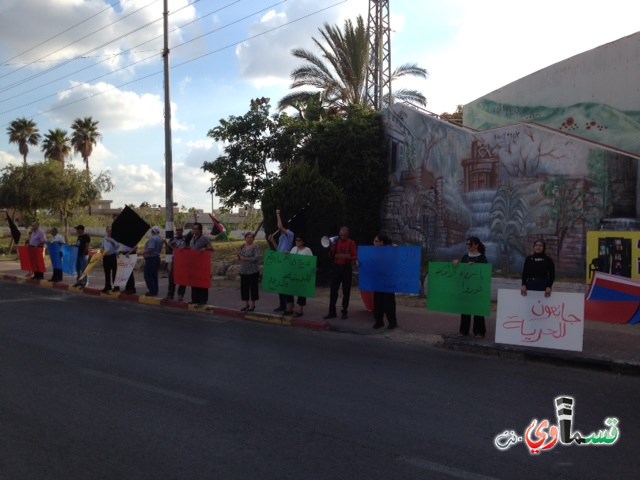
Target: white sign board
(125, 267)
(538, 321)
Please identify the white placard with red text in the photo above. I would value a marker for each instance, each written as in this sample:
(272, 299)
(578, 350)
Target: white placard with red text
(538, 321)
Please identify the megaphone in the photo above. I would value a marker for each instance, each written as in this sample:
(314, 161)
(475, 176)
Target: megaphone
(326, 242)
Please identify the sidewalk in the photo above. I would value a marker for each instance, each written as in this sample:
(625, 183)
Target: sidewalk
(606, 346)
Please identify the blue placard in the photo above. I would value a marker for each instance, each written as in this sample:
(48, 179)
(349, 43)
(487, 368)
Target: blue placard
(55, 253)
(69, 259)
(389, 269)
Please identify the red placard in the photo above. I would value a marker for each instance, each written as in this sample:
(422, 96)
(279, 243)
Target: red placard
(31, 258)
(192, 268)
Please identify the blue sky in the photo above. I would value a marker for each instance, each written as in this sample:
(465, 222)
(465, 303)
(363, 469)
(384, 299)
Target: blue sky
(55, 67)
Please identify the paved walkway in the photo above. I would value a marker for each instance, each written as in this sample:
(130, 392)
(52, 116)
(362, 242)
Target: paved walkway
(606, 346)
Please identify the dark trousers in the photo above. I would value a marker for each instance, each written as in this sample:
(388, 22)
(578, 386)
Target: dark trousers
(131, 284)
(151, 266)
(57, 275)
(109, 265)
(384, 303)
(249, 287)
(172, 286)
(199, 296)
(340, 275)
(479, 327)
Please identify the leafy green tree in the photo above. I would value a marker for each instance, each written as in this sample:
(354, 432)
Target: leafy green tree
(56, 146)
(23, 132)
(85, 136)
(339, 75)
(21, 188)
(351, 153)
(242, 171)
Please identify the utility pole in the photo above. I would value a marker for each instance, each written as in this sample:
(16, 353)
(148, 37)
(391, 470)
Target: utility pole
(378, 83)
(168, 155)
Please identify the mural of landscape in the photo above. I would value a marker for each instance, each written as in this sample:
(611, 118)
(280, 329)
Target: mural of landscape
(505, 185)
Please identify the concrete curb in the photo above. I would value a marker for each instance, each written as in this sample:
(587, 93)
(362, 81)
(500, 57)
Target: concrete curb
(443, 341)
(555, 358)
(160, 302)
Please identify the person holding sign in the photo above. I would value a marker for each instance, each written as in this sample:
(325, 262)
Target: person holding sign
(82, 242)
(36, 240)
(475, 254)
(199, 295)
(285, 243)
(384, 303)
(249, 256)
(109, 260)
(59, 240)
(300, 249)
(343, 252)
(538, 272)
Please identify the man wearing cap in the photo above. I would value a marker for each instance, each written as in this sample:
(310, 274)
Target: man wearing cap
(82, 243)
(151, 254)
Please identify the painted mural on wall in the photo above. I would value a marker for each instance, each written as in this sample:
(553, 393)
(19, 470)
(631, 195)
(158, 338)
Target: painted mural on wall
(507, 186)
(594, 121)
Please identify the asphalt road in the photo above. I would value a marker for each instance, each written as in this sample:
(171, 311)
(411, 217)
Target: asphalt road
(96, 389)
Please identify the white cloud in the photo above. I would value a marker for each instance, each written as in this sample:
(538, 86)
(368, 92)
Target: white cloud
(7, 158)
(201, 151)
(115, 109)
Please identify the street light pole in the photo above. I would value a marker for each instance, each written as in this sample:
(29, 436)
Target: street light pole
(168, 156)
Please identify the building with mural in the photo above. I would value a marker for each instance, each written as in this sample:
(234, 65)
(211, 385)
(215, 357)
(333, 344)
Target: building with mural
(553, 156)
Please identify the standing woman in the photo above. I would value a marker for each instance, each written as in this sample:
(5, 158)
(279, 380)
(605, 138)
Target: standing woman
(300, 248)
(475, 254)
(538, 272)
(384, 303)
(249, 256)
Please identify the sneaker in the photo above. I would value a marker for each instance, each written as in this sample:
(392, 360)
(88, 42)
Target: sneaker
(105, 290)
(330, 315)
(149, 294)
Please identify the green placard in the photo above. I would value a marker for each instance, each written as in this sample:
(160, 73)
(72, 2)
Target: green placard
(289, 274)
(462, 289)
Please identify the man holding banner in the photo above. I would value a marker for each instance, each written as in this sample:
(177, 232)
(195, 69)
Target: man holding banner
(200, 295)
(82, 261)
(38, 239)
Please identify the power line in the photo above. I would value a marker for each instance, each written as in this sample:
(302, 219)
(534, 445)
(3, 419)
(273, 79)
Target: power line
(115, 87)
(109, 7)
(67, 46)
(110, 57)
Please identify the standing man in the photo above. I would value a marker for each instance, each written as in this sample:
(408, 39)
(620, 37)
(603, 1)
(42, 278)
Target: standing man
(151, 254)
(36, 240)
(82, 243)
(109, 260)
(199, 296)
(285, 244)
(59, 240)
(343, 253)
(177, 242)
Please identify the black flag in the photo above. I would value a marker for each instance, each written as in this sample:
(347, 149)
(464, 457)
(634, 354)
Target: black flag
(15, 233)
(128, 228)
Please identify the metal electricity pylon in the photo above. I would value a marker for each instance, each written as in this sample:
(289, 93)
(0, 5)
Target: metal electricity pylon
(378, 83)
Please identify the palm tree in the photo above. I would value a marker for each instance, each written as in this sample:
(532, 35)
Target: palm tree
(340, 73)
(85, 136)
(23, 132)
(56, 146)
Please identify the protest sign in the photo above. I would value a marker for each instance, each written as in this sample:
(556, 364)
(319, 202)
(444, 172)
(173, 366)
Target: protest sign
(389, 269)
(464, 289)
(289, 274)
(192, 268)
(31, 258)
(538, 321)
(125, 266)
(55, 253)
(69, 259)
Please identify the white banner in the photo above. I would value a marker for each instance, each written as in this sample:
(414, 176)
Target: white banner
(125, 267)
(538, 321)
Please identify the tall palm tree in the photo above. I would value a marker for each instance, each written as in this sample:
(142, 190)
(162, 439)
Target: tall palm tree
(56, 145)
(340, 73)
(84, 137)
(23, 132)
